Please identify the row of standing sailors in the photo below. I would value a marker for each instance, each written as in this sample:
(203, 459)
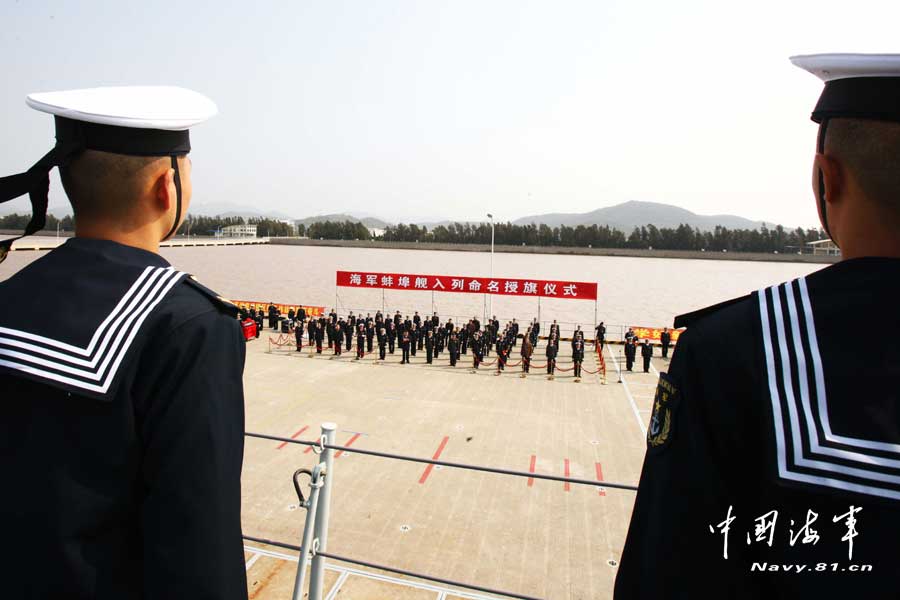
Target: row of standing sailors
(428, 334)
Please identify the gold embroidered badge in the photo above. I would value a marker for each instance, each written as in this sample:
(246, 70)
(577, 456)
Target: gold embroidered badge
(660, 430)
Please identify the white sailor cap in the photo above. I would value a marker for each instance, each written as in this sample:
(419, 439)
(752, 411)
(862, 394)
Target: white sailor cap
(135, 120)
(861, 86)
(857, 86)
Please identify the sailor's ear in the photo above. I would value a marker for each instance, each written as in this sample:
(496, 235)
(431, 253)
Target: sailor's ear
(164, 191)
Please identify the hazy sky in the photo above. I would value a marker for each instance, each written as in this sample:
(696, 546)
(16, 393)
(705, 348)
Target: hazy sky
(423, 109)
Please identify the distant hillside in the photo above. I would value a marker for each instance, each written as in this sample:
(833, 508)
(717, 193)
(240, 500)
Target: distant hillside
(227, 209)
(626, 216)
(370, 222)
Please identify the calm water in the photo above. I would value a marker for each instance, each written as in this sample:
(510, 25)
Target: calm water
(637, 291)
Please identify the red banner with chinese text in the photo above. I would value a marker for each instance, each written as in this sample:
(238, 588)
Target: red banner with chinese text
(571, 290)
(311, 311)
(654, 333)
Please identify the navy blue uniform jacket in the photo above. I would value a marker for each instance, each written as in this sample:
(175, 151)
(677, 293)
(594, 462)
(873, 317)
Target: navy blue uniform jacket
(769, 407)
(121, 430)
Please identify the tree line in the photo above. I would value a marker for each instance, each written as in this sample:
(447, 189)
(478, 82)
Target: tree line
(200, 225)
(17, 221)
(683, 237)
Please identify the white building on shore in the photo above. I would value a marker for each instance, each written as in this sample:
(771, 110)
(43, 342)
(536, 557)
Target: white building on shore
(823, 248)
(237, 231)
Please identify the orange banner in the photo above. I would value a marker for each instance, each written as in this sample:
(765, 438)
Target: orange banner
(654, 333)
(311, 311)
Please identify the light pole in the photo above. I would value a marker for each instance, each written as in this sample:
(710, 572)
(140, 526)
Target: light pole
(491, 217)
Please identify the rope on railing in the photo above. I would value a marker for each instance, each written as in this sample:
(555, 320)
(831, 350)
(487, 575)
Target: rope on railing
(444, 463)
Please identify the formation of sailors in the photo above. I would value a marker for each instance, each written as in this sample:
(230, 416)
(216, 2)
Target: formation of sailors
(429, 335)
(434, 337)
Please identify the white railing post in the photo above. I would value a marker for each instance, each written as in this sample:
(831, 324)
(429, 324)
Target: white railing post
(317, 572)
(309, 528)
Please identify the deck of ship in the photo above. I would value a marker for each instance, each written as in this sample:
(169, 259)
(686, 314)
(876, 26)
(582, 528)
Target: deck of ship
(541, 538)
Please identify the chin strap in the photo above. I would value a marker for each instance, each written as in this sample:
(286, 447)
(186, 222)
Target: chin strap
(177, 199)
(823, 128)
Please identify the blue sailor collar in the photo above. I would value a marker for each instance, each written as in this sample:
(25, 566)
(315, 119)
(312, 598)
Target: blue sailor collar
(79, 310)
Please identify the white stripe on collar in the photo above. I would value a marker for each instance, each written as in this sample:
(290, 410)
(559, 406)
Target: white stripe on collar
(818, 460)
(115, 335)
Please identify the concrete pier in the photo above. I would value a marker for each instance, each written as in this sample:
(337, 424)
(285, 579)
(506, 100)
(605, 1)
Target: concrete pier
(541, 538)
(48, 243)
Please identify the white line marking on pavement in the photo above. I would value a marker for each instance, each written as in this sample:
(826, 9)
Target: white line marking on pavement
(375, 576)
(252, 560)
(337, 585)
(634, 407)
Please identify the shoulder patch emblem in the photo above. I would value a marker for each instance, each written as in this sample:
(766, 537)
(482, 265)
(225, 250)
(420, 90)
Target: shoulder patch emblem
(659, 433)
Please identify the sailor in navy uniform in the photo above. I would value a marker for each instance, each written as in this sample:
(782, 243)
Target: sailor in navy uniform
(122, 417)
(792, 428)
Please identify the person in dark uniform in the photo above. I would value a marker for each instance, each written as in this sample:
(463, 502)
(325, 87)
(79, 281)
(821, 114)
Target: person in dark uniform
(413, 338)
(382, 341)
(339, 338)
(429, 347)
(600, 336)
(319, 337)
(370, 334)
(527, 351)
(392, 335)
(122, 413)
(453, 348)
(405, 343)
(273, 316)
(298, 336)
(578, 357)
(630, 352)
(502, 352)
(439, 340)
(646, 354)
(360, 340)
(477, 350)
(535, 332)
(349, 329)
(311, 331)
(291, 314)
(792, 434)
(259, 323)
(665, 338)
(552, 352)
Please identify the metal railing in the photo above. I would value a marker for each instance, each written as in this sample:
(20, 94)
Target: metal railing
(314, 541)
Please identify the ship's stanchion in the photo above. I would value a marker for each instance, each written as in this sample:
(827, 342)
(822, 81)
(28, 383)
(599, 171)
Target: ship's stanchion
(309, 542)
(317, 571)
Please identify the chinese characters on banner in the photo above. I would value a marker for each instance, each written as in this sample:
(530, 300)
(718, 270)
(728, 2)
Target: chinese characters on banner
(311, 311)
(572, 290)
(654, 333)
